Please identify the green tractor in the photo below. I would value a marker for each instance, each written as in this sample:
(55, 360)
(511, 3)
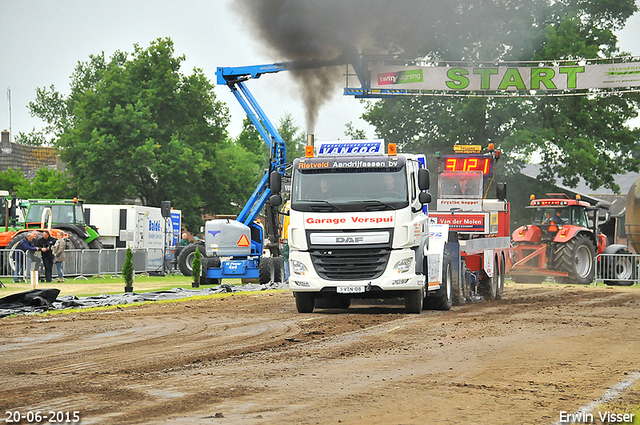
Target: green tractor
(66, 215)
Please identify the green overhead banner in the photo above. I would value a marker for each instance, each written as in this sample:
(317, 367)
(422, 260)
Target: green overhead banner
(506, 78)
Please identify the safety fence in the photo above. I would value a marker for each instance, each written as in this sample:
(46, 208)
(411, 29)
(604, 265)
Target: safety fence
(618, 269)
(87, 262)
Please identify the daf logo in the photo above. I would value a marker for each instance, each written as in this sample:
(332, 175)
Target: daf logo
(350, 240)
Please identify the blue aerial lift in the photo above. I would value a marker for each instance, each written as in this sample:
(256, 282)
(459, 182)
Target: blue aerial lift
(234, 248)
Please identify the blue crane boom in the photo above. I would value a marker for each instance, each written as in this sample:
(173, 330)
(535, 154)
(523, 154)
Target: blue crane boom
(235, 78)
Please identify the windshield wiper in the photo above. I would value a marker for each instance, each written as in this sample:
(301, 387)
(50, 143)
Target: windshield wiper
(374, 203)
(325, 202)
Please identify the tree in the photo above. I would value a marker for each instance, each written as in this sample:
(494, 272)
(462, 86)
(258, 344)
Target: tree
(127, 268)
(196, 267)
(250, 139)
(13, 180)
(135, 127)
(577, 136)
(47, 184)
(34, 138)
(293, 136)
(354, 133)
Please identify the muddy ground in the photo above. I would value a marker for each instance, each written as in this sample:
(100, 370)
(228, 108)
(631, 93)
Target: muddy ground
(252, 359)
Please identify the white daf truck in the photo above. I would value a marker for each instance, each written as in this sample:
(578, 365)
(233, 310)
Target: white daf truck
(358, 229)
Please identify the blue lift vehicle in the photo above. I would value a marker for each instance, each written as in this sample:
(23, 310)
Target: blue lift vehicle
(234, 248)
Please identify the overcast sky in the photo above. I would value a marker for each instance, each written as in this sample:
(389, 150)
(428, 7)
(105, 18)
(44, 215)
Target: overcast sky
(41, 41)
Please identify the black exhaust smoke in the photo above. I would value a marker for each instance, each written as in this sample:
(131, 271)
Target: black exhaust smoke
(323, 30)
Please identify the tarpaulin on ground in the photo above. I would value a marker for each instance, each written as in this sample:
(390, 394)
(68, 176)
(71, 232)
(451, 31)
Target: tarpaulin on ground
(39, 300)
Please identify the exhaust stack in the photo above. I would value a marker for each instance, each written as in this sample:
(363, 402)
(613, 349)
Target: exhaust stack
(310, 139)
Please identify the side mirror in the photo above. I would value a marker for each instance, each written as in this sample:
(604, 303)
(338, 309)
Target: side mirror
(424, 198)
(276, 199)
(275, 182)
(501, 191)
(423, 179)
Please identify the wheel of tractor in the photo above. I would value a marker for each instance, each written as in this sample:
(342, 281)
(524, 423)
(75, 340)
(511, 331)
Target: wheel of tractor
(442, 299)
(278, 269)
(575, 257)
(304, 302)
(185, 259)
(266, 270)
(95, 244)
(413, 301)
(619, 270)
(77, 241)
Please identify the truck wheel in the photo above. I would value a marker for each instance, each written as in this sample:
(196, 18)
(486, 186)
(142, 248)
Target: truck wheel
(619, 270)
(489, 287)
(304, 301)
(576, 258)
(266, 270)
(413, 301)
(278, 269)
(461, 292)
(185, 259)
(500, 290)
(442, 299)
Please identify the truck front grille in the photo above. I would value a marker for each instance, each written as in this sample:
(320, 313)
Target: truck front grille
(350, 264)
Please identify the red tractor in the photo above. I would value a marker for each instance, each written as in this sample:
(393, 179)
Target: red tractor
(562, 241)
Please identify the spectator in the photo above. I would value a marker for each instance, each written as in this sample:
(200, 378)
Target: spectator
(59, 255)
(46, 244)
(22, 247)
(184, 241)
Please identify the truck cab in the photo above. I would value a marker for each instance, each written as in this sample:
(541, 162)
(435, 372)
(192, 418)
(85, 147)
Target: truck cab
(357, 225)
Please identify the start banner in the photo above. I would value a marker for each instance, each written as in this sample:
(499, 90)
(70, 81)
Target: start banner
(506, 78)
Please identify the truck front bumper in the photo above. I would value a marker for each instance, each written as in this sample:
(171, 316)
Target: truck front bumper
(391, 280)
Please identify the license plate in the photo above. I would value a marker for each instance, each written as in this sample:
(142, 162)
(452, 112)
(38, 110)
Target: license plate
(350, 289)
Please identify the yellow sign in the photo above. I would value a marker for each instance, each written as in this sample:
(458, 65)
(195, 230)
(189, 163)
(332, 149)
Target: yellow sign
(467, 148)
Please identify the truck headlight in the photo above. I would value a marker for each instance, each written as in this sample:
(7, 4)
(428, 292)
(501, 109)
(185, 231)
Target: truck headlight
(298, 267)
(403, 266)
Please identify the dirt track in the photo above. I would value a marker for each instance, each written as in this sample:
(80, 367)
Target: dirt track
(251, 359)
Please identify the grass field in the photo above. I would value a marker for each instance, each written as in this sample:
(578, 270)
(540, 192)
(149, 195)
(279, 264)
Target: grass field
(105, 285)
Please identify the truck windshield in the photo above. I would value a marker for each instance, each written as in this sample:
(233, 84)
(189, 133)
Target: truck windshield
(61, 213)
(349, 191)
(461, 185)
